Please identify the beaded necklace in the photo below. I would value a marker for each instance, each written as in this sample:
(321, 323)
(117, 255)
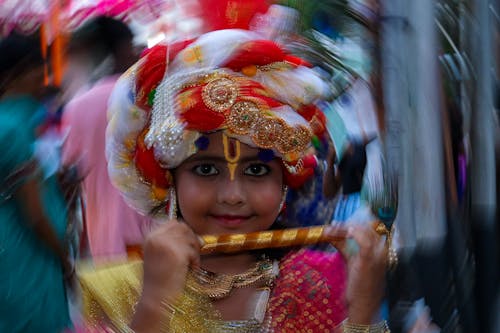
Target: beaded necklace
(195, 311)
(218, 286)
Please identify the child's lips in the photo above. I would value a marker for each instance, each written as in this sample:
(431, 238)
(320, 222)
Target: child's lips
(231, 220)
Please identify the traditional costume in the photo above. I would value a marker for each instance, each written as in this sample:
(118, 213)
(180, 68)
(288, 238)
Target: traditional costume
(254, 91)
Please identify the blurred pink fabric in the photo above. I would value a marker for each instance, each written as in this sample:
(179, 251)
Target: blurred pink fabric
(110, 223)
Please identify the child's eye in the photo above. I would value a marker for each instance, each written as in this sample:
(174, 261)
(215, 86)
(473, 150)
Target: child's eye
(206, 170)
(257, 170)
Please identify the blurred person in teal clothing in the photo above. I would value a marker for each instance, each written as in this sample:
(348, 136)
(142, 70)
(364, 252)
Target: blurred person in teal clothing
(33, 259)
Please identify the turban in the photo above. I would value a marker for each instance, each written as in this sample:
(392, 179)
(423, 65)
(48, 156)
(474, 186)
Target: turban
(228, 80)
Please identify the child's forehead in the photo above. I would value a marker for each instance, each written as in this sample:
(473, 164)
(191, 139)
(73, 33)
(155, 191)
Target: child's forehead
(214, 145)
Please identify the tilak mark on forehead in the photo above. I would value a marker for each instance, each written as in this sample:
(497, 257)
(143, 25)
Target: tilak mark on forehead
(232, 154)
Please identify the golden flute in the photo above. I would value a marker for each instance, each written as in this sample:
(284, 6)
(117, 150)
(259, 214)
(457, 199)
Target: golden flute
(275, 239)
(231, 243)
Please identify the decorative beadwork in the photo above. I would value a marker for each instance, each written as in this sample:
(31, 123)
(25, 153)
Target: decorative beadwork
(392, 258)
(276, 66)
(218, 286)
(294, 169)
(307, 297)
(283, 198)
(268, 131)
(380, 327)
(194, 311)
(243, 117)
(166, 132)
(220, 94)
(172, 207)
(293, 139)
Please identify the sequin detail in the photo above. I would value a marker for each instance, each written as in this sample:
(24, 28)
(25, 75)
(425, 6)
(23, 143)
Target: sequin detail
(220, 94)
(309, 293)
(308, 297)
(243, 117)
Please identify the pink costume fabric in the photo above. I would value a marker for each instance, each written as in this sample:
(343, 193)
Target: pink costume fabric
(309, 295)
(110, 223)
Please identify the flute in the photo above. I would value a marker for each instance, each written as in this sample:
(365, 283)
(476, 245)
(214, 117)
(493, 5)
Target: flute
(275, 239)
(231, 243)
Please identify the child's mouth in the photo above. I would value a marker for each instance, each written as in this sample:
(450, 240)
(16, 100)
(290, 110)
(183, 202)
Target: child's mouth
(230, 221)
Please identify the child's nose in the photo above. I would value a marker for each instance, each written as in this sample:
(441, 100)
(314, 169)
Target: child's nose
(231, 192)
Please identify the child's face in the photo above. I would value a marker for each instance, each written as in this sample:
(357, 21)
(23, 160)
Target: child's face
(211, 203)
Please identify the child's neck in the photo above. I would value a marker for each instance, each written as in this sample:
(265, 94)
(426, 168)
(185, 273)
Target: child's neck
(228, 263)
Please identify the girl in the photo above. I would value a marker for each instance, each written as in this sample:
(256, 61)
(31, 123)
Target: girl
(208, 134)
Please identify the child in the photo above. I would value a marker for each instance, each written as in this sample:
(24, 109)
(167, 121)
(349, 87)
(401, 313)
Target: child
(208, 134)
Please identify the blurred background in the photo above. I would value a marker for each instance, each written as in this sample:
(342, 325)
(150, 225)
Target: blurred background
(417, 82)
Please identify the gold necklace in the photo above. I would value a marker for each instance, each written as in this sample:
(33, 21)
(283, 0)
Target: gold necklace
(217, 286)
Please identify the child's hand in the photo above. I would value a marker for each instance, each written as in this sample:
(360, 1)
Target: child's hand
(366, 255)
(168, 252)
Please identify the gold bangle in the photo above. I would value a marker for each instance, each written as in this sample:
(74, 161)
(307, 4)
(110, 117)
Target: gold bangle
(172, 310)
(380, 327)
(166, 319)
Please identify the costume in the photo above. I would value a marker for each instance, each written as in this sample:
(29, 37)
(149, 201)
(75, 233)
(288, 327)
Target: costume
(308, 296)
(32, 294)
(253, 92)
(229, 80)
(110, 223)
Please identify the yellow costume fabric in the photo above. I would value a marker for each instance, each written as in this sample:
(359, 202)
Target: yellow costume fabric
(109, 293)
